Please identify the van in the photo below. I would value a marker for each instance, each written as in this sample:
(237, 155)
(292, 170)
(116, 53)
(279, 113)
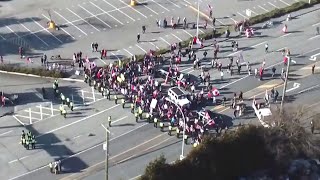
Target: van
(179, 97)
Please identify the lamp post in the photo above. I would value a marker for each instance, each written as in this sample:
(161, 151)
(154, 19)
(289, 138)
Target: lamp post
(107, 152)
(184, 127)
(285, 82)
(198, 20)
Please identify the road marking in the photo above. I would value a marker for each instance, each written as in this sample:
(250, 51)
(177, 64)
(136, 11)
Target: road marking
(119, 10)
(272, 4)
(2, 37)
(307, 52)
(314, 37)
(242, 15)
(188, 33)
(105, 12)
(200, 30)
(295, 86)
(78, 121)
(83, 19)
(35, 112)
(316, 24)
(263, 8)
(164, 41)
(16, 160)
(204, 15)
(284, 2)
(116, 56)
(27, 117)
(48, 108)
(314, 57)
(176, 37)
(258, 44)
(5, 133)
(59, 27)
(187, 2)
(135, 10)
(128, 52)
(76, 154)
(287, 34)
(12, 31)
(154, 45)
(77, 137)
(251, 11)
(101, 61)
(148, 8)
(160, 5)
(35, 35)
(232, 19)
(45, 29)
(141, 48)
(303, 90)
(173, 3)
(95, 16)
(70, 23)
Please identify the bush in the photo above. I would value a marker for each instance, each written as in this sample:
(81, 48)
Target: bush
(35, 71)
(236, 154)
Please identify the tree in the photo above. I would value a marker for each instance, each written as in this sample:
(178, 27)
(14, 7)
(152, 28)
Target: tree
(238, 153)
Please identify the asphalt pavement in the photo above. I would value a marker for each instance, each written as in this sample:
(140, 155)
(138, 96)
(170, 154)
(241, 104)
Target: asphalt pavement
(105, 22)
(79, 138)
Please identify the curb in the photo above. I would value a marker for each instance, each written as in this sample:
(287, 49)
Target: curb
(37, 76)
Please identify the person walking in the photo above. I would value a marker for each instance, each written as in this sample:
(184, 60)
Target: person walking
(312, 68)
(318, 30)
(138, 38)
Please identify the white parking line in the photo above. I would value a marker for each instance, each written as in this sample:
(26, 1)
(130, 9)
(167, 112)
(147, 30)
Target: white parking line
(284, 2)
(141, 48)
(134, 10)
(285, 35)
(115, 56)
(187, 2)
(232, 19)
(188, 33)
(105, 12)
(263, 8)
(12, 31)
(242, 15)
(201, 30)
(272, 5)
(315, 24)
(149, 8)
(128, 52)
(70, 23)
(119, 10)
(35, 35)
(27, 117)
(83, 19)
(35, 112)
(48, 108)
(253, 12)
(176, 5)
(46, 30)
(160, 5)
(5, 133)
(101, 61)
(2, 37)
(154, 45)
(59, 27)
(95, 16)
(165, 41)
(314, 37)
(176, 37)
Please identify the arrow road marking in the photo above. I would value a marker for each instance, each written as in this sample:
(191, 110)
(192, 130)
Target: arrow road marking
(314, 57)
(295, 86)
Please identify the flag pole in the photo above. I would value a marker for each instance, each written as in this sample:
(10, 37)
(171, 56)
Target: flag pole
(198, 20)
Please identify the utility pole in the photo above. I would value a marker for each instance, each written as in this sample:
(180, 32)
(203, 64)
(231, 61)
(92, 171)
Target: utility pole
(106, 148)
(285, 82)
(198, 19)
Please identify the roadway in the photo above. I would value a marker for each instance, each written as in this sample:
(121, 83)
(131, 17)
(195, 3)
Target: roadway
(79, 137)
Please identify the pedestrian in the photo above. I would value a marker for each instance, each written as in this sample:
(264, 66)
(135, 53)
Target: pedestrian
(96, 45)
(123, 102)
(115, 99)
(273, 71)
(266, 47)
(109, 121)
(312, 68)
(318, 30)
(51, 167)
(138, 38)
(143, 29)
(92, 46)
(1, 59)
(221, 75)
(312, 126)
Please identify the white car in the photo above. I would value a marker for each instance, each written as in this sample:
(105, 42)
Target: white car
(179, 97)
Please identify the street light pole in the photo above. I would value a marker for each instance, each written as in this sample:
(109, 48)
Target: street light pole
(184, 127)
(107, 152)
(285, 83)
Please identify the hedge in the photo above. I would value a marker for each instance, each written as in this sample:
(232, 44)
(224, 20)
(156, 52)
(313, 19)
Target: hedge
(35, 71)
